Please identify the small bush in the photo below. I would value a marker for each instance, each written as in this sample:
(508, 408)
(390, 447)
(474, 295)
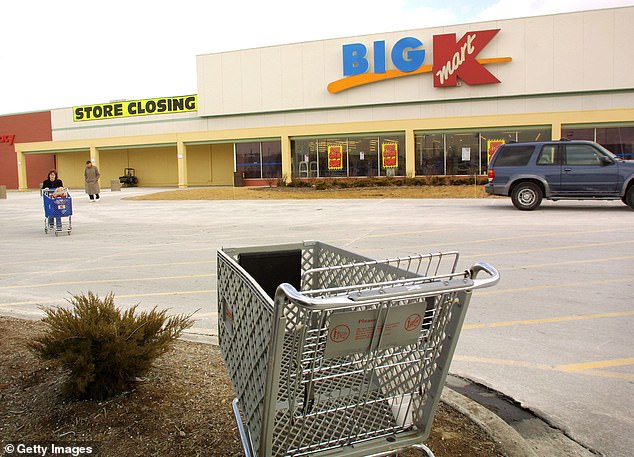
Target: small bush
(103, 349)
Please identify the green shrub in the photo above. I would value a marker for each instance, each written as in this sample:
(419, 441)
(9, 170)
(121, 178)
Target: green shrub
(103, 349)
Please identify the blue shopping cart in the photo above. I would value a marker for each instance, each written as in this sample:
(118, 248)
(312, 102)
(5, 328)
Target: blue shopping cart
(58, 211)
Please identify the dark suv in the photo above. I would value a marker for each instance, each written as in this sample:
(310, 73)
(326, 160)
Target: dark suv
(559, 170)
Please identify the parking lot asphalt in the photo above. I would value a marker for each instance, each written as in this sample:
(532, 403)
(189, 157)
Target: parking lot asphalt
(554, 334)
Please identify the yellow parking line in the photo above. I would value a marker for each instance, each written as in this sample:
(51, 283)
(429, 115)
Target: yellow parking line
(497, 239)
(504, 362)
(556, 286)
(554, 264)
(156, 294)
(597, 364)
(552, 248)
(153, 294)
(115, 267)
(104, 281)
(560, 368)
(416, 232)
(548, 320)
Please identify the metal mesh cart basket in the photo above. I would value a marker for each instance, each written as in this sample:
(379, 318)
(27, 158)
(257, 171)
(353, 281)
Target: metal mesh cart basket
(333, 353)
(58, 211)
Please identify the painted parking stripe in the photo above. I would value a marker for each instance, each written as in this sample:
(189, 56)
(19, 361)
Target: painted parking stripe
(549, 320)
(105, 281)
(149, 294)
(594, 365)
(556, 286)
(558, 264)
(558, 368)
(116, 267)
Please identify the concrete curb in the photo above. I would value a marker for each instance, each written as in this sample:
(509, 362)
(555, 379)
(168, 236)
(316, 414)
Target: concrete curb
(513, 444)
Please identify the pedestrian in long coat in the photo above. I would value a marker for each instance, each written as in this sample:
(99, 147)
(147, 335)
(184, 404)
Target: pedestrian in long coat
(91, 176)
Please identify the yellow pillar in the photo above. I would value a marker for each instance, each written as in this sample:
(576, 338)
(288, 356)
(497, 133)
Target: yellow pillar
(22, 185)
(287, 159)
(556, 130)
(181, 155)
(410, 153)
(94, 156)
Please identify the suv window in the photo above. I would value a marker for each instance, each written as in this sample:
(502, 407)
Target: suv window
(547, 156)
(582, 154)
(513, 156)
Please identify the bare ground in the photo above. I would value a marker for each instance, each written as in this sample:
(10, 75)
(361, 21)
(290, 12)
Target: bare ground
(294, 193)
(181, 408)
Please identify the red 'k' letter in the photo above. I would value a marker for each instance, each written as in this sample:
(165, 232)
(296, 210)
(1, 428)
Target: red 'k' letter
(458, 59)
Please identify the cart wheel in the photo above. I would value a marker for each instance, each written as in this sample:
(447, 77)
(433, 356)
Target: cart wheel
(56, 233)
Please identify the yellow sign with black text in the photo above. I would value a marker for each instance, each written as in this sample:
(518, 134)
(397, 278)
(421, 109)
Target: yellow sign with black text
(129, 108)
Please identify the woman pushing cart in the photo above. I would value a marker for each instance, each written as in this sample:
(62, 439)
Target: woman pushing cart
(58, 205)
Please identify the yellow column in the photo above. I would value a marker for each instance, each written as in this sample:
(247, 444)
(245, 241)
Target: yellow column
(22, 185)
(287, 159)
(410, 153)
(556, 130)
(181, 155)
(94, 155)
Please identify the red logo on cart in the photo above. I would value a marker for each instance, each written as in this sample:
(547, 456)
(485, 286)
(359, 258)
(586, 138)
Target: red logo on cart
(61, 206)
(340, 333)
(413, 322)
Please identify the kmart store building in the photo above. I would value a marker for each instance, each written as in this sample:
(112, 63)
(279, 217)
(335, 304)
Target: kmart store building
(434, 101)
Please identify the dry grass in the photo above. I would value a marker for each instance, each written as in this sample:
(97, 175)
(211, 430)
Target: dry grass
(181, 408)
(291, 193)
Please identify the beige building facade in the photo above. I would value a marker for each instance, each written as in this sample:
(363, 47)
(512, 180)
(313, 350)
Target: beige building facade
(434, 101)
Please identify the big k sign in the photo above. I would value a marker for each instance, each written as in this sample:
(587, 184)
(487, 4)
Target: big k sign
(453, 59)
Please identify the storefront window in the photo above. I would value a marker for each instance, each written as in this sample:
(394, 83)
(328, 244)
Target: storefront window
(490, 140)
(259, 160)
(304, 158)
(392, 155)
(430, 154)
(463, 153)
(578, 134)
(271, 159)
(466, 152)
(535, 134)
(363, 156)
(617, 139)
(335, 157)
(332, 154)
(248, 159)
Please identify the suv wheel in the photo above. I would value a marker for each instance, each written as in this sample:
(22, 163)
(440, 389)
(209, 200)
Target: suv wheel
(527, 196)
(629, 197)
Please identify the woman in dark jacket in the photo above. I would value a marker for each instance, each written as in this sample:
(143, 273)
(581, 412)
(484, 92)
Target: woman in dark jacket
(51, 184)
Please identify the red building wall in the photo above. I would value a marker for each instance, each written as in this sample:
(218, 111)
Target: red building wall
(24, 128)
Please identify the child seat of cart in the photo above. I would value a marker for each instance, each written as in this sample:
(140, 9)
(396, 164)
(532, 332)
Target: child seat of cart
(270, 269)
(60, 192)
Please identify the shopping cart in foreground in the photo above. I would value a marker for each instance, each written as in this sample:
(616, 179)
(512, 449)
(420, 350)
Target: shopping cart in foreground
(332, 353)
(58, 211)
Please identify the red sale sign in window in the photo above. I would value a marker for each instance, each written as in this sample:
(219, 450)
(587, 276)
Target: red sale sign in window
(389, 153)
(492, 146)
(335, 157)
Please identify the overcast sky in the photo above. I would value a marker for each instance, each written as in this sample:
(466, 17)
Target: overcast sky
(62, 53)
